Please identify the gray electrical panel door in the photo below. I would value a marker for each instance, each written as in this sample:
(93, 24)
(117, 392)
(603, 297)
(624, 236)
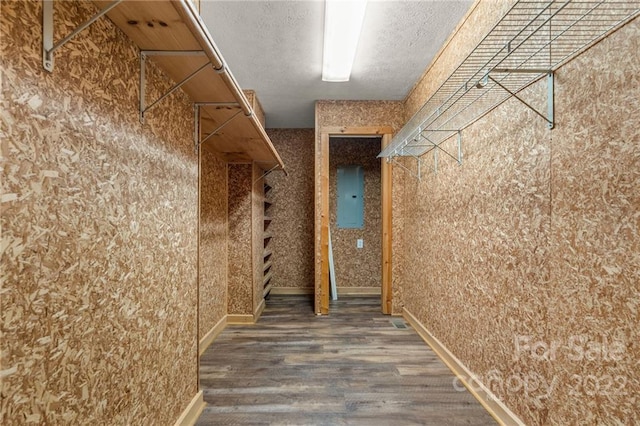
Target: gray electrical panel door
(350, 197)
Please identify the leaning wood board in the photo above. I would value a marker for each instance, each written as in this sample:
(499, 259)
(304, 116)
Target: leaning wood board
(176, 26)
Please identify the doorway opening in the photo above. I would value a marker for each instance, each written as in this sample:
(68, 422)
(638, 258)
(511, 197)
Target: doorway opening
(355, 222)
(360, 227)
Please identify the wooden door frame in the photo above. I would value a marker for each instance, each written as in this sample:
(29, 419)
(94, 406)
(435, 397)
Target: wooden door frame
(322, 214)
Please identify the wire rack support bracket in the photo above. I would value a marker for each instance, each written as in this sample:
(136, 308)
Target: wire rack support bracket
(530, 42)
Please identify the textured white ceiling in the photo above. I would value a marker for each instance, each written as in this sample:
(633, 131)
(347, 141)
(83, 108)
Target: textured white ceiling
(275, 48)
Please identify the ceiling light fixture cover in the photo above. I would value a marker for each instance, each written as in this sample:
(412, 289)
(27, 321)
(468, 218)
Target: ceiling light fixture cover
(342, 27)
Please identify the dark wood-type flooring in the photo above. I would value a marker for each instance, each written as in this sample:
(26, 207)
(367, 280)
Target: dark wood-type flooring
(353, 367)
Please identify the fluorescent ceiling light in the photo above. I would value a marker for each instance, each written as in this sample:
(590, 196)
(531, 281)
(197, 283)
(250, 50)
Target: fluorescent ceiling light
(342, 26)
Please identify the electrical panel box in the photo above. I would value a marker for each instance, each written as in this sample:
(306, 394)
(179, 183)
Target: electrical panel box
(350, 193)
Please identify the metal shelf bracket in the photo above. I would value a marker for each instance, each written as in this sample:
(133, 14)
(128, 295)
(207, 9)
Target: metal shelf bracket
(392, 160)
(48, 45)
(196, 108)
(531, 41)
(549, 118)
(435, 147)
(143, 108)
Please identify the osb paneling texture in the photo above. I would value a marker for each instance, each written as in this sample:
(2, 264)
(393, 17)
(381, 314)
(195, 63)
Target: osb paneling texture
(292, 209)
(240, 279)
(475, 238)
(357, 267)
(350, 114)
(257, 224)
(213, 240)
(534, 241)
(595, 239)
(397, 238)
(479, 22)
(99, 223)
(359, 114)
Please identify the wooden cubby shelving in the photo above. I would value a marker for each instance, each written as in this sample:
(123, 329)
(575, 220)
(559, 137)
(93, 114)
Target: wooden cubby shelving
(267, 236)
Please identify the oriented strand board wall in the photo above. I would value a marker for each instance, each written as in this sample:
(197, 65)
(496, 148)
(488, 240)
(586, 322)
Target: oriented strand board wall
(357, 267)
(292, 210)
(398, 252)
(99, 222)
(246, 245)
(359, 114)
(475, 268)
(241, 273)
(213, 241)
(595, 233)
(534, 241)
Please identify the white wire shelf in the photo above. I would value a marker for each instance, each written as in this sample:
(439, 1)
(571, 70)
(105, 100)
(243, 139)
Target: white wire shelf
(530, 42)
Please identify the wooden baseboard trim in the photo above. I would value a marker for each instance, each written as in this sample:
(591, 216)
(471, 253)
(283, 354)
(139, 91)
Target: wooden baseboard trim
(211, 335)
(500, 412)
(258, 312)
(190, 415)
(359, 291)
(291, 291)
(239, 319)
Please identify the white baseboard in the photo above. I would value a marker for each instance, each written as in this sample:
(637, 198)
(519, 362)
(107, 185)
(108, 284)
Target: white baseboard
(190, 415)
(500, 412)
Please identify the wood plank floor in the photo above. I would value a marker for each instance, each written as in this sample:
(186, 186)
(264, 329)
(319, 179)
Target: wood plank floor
(352, 367)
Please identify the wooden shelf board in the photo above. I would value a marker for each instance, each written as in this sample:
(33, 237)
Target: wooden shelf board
(267, 278)
(267, 289)
(165, 25)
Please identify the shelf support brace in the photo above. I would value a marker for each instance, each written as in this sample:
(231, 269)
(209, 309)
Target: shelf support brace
(48, 45)
(219, 104)
(196, 127)
(435, 160)
(550, 96)
(267, 173)
(220, 127)
(196, 119)
(551, 100)
(143, 77)
(459, 148)
(392, 160)
(436, 147)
